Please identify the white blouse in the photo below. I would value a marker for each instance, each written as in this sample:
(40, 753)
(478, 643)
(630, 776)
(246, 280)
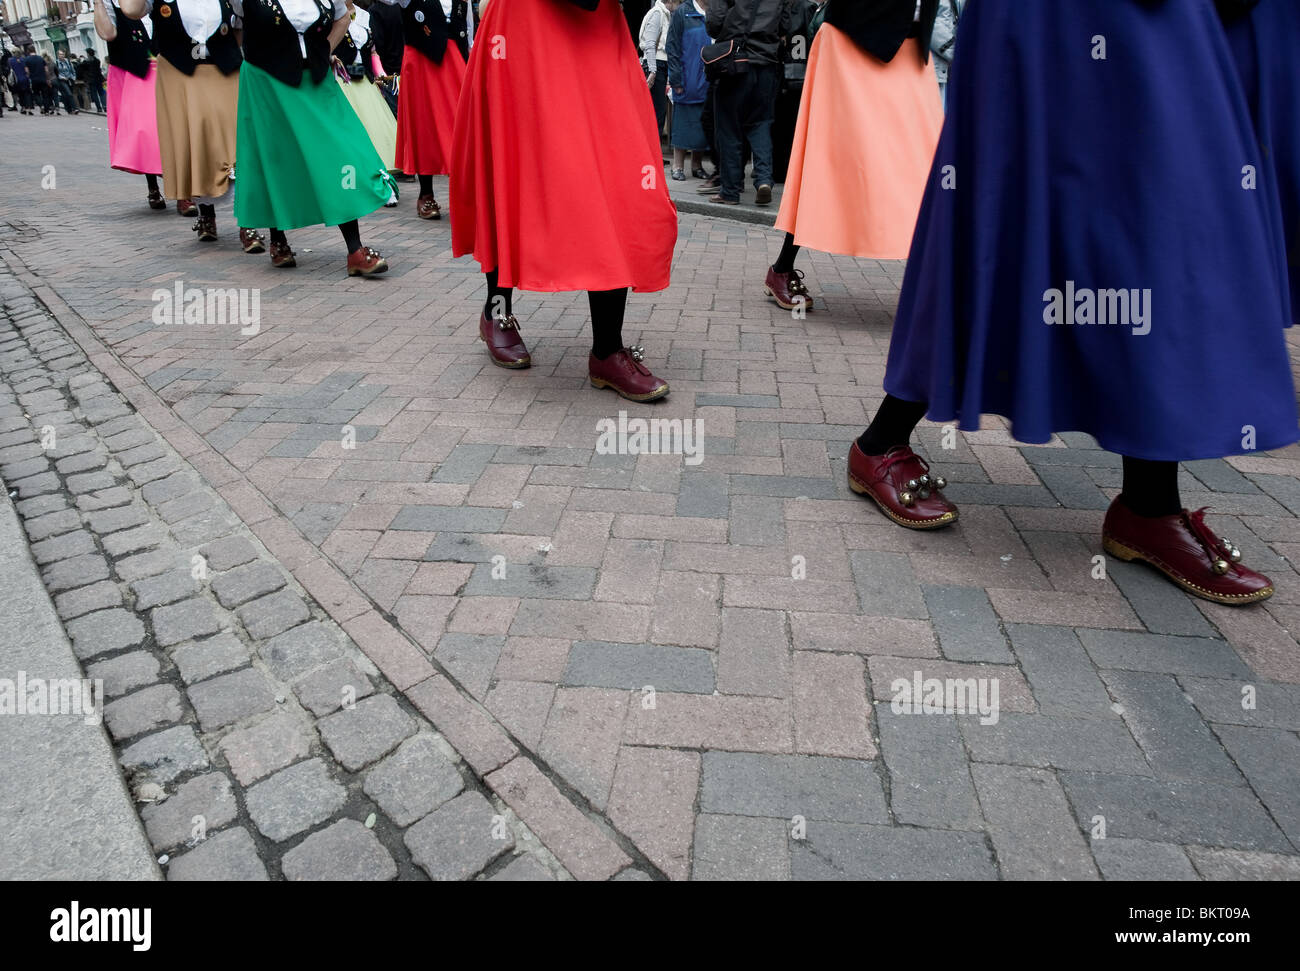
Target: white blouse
(200, 18)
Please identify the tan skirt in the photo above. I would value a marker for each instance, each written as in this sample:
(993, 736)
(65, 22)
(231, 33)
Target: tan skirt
(196, 129)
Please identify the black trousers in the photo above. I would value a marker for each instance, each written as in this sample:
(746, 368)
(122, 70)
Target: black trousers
(659, 95)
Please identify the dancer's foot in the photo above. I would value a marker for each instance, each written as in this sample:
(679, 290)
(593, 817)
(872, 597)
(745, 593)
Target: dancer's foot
(156, 201)
(186, 207)
(1187, 551)
(206, 227)
(901, 485)
(787, 289)
(624, 372)
(366, 262)
(426, 207)
(252, 241)
(282, 256)
(506, 347)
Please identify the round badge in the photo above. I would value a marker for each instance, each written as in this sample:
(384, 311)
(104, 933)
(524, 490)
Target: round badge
(164, 11)
(225, 28)
(419, 16)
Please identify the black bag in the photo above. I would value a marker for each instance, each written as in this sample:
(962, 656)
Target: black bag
(726, 58)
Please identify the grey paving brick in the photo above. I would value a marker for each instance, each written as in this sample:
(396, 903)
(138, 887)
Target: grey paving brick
(465, 463)
(703, 495)
(338, 683)
(1059, 672)
(228, 855)
(703, 399)
(52, 524)
(61, 547)
(103, 631)
(1217, 864)
(85, 482)
(756, 521)
(1177, 743)
(269, 745)
(270, 616)
(14, 471)
(844, 851)
(97, 596)
(457, 840)
(148, 472)
(741, 848)
(122, 517)
(344, 851)
(202, 527)
(295, 652)
(1160, 652)
(163, 756)
(456, 519)
(964, 622)
(35, 508)
(246, 583)
(134, 540)
(1072, 487)
(151, 564)
(1029, 821)
(784, 786)
(89, 461)
(294, 799)
(523, 868)
(533, 582)
(366, 732)
(1162, 609)
(1273, 705)
(224, 700)
(1284, 488)
(1049, 741)
(203, 803)
(929, 779)
(887, 586)
(144, 711)
(470, 659)
(166, 588)
(184, 621)
(141, 453)
(228, 553)
(784, 486)
(1123, 859)
(183, 507)
(35, 485)
(469, 548)
(133, 436)
(1270, 758)
(979, 494)
(104, 499)
(197, 660)
(124, 673)
(1173, 811)
(413, 781)
(633, 666)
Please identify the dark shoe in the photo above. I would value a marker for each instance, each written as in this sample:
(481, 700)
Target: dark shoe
(763, 195)
(186, 207)
(678, 175)
(624, 372)
(252, 241)
(1187, 551)
(901, 485)
(709, 186)
(282, 256)
(206, 227)
(366, 262)
(156, 201)
(506, 347)
(725, 202)
(699, 174)
(426, 207)
(787, 289)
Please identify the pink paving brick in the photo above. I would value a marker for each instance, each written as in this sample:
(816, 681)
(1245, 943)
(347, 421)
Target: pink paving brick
(1064, 609)
(483, 615)
(467, 726)
(533, 658)
(581, 738)
(858, 634)
(695, 615)
(1013, 691)
(725, 722)
(831, 708)
(400, 661)
(653, 802)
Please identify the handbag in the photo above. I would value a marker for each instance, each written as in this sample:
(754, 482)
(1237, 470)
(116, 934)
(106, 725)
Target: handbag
(727, 58)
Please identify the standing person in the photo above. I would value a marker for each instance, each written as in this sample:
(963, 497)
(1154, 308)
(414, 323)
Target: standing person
(40, 79)
(1263, 41)
(198, 63)
(653, 42)
(432, 73)
(1014, 267)
(943, 42)
(745, 101)
(93, 73)
(686, 38)
(22, 83)
(356, 76)
(794, 68)
(304, 156)
(566, 108)
(868, 125)
(66, 75)
(132, 123)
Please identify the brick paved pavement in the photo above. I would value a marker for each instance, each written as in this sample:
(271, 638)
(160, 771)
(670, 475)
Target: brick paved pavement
(684, 668)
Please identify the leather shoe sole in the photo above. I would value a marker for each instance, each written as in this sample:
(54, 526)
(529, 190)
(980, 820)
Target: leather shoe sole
(947, 519)
(1126, 553)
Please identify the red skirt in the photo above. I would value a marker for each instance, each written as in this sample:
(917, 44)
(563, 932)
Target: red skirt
(426, 111)
(557, 180)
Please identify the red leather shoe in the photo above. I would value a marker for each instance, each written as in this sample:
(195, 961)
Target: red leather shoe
(426, 207)
(206, 227)
(901, 485)
(624, 372)
(252, 241)
(282, 257)
(156, 201)
(366, 262)
(501, 335)
(787, 289)
(186, 207)
(1187, 551)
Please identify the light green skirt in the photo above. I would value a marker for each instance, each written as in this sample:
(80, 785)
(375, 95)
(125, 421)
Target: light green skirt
(375, 115)
(304, 158)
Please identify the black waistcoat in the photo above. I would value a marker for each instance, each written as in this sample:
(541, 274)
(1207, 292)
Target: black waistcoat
(427, 29)
(271, 43)
(173, 43)
(129, 50)
(347, 53)
(880, 27)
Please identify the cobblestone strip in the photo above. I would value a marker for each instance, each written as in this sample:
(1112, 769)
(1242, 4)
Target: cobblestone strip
(257, 739)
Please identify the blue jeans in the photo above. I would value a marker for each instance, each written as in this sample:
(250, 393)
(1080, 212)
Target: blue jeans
(743, 111)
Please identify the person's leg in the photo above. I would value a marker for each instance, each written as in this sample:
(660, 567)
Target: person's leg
(893, 425)
(727, 121)
(607, 309)
(499, 302)
(679, 161)
(611, 364)
(659, 94)
(1151, 488)
(426, 206)
(351, 235)
(206, 226)
(785, 259)
(498, 327)
(152, 182)
(758, 129)
(97, 92)
(784, 283)
(884, 468)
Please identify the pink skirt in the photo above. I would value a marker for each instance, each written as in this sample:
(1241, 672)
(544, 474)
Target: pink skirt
(133, 122)
(862, 152)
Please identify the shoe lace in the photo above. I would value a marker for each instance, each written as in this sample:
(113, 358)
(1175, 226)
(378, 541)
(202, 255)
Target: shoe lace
(508, 322)
(923, 482)
(636, 354)
(796, 283)
(1218, 549)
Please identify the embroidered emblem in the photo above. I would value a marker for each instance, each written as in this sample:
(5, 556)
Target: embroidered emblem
(164, 11)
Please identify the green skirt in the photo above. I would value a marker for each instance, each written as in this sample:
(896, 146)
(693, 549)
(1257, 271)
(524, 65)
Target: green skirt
(304, 158)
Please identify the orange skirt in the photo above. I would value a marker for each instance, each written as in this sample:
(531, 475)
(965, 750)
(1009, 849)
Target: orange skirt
(862, 152)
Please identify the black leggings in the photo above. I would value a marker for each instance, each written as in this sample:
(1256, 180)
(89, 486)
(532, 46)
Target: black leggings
(607, 309)
(351, 235)
(1150, 488)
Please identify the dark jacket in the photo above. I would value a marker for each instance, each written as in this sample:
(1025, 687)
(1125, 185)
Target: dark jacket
(880, 27)
(386, 30)
(728, 19)
(35, 68)
(686, 38)
(92, 70)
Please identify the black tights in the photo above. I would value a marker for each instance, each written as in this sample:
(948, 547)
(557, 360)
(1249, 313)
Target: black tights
(152, 182)
(785, 260)
(1150, 488)
(426, 185)
(607, 309)
(351, 235)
